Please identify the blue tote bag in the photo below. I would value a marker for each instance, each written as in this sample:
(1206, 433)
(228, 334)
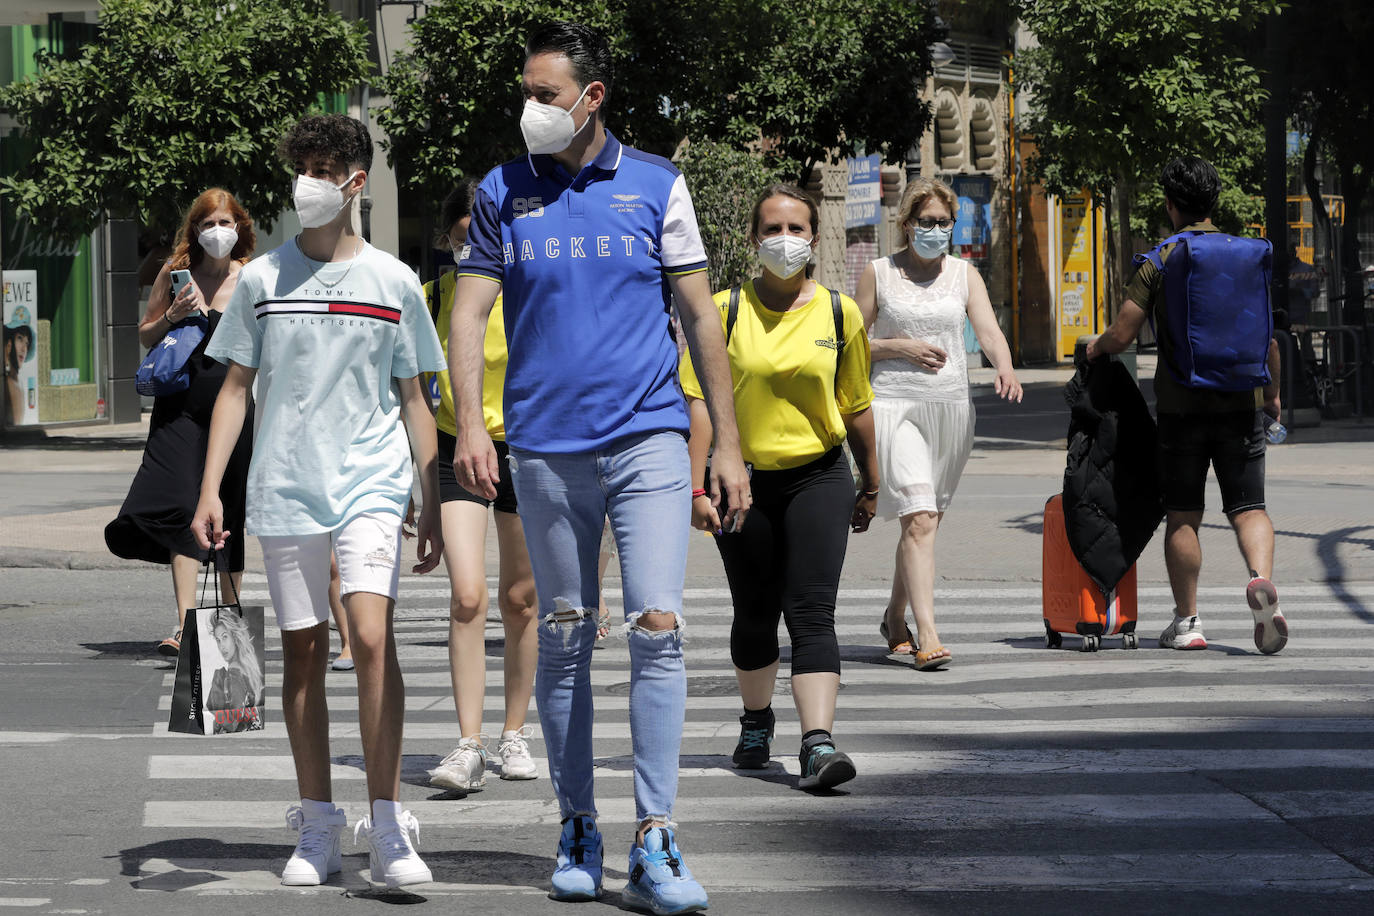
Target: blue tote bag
(165, 369)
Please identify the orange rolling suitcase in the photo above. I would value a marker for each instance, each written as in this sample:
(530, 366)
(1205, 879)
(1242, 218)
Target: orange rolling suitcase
(1072, 602)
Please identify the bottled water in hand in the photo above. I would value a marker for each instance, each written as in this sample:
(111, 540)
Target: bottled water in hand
(1275, 431)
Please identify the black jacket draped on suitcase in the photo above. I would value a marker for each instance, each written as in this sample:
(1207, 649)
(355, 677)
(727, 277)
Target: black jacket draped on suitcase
(1112, 502)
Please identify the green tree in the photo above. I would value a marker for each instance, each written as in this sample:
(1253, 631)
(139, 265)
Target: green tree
(455, 96)
(797, 80)
(724, 183)
(807, 81)
(1120, 87)
(172, 97)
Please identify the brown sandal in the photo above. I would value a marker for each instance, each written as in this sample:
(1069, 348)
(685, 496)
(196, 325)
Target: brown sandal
(935, 658)
(899, 646)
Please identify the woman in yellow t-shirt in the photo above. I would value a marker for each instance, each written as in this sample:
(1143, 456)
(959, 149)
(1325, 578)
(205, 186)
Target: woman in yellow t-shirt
(464, 518)
(801, 389)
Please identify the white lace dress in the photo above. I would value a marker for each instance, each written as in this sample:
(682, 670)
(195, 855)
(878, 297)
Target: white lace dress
(923, 419)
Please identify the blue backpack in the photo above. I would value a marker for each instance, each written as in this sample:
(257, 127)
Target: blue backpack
(166, 369)
(1216, 306)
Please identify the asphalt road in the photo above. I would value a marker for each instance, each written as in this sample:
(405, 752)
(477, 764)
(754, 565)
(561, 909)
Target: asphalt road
(1139, 781)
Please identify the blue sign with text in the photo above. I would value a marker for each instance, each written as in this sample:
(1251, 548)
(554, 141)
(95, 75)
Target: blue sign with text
(864, 194)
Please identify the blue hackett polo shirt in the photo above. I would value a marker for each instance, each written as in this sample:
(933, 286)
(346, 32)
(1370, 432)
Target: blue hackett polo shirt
(584, 262)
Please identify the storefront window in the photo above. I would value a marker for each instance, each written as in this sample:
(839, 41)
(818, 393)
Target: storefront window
(50, 298)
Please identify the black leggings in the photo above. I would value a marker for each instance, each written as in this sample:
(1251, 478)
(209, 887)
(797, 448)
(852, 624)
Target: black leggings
(786, 561)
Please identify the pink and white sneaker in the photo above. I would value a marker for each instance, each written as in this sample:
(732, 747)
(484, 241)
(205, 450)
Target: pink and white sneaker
(1183, 633)
(1271, 630)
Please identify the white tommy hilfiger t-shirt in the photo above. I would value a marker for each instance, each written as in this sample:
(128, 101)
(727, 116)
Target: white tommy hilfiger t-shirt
(328, 340)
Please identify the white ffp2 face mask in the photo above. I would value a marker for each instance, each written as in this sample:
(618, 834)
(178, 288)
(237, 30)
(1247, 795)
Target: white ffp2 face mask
(547, 128)
(218, 241)
(784, 255)
(317, 201)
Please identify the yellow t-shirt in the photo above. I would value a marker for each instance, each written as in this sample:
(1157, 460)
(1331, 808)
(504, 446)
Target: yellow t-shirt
(788, 403)
(493, 358)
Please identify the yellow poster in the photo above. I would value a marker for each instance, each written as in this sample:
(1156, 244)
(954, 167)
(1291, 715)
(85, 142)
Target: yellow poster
(1082, 270)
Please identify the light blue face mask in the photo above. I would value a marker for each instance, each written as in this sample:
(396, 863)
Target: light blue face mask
(929, 243)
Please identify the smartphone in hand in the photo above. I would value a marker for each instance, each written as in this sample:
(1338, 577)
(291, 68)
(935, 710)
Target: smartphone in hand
(180, 280)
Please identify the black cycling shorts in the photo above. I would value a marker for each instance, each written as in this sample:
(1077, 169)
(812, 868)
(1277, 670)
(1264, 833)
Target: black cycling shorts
(450, 490)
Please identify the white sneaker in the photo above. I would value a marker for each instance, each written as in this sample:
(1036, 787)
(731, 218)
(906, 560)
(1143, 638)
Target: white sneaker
(1183, 633)
(1271, 629)
(317, 853)
(514, 754)
(392, 858)
(465, 768)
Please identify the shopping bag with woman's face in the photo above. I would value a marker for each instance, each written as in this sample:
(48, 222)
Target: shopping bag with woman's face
(219, 684)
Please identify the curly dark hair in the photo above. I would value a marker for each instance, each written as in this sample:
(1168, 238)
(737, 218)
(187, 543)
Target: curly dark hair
(1193, 185)
(335, 137)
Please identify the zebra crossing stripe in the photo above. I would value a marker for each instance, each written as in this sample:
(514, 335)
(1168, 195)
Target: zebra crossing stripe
(1025, 643)
(951, 728)
(899, 675)
(728, 875)
(1331, 591)
(871, 765)
(1171, 697)
(957, 811)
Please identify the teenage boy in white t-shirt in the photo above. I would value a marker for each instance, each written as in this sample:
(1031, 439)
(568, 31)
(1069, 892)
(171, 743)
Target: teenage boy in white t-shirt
(336, 334)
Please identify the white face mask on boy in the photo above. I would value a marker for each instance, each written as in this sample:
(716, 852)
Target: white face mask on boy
(317, 201)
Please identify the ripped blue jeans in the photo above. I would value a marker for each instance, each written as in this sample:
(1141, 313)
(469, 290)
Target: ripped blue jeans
(642, 484)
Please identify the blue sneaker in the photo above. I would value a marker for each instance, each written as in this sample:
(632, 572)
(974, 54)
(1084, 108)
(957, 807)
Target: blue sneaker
(578, 873)
(660, 881)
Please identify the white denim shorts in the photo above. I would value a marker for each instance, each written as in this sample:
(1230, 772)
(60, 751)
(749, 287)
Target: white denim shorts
(923, 446)
(368, 549)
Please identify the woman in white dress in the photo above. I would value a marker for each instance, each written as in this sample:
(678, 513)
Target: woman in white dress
(914, 303)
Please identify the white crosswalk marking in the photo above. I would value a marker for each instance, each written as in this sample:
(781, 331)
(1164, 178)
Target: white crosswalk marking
(1028, 745)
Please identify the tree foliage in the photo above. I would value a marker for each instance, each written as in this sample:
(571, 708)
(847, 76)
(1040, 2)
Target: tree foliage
(724, 182)
(1120, 87)
(814, 79)
(455, 96)
(798, 80)
(172, 97)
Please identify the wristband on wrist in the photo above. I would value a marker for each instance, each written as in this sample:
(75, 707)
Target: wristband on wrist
(696, 493)
(873, 492)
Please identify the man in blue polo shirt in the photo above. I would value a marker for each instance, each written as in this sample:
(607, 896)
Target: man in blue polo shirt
(589, 238)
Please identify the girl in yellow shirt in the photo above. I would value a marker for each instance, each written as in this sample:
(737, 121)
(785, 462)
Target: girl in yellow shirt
(464, 518)
(799, 358)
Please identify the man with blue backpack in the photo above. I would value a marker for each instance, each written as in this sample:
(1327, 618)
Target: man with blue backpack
(1216, 384)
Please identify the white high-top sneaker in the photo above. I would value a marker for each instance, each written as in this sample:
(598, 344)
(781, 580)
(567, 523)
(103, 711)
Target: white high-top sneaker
(392, 858)
(317, 854)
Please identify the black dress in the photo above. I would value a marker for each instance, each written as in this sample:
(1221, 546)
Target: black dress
(155, 521)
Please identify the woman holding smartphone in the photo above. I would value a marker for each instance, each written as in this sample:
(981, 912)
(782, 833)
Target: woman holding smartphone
(154, 524)
(799, 358)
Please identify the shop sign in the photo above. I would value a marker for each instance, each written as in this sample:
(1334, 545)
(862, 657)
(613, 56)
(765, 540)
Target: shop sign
(864, 193)
(20, 313)
(973, 224)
